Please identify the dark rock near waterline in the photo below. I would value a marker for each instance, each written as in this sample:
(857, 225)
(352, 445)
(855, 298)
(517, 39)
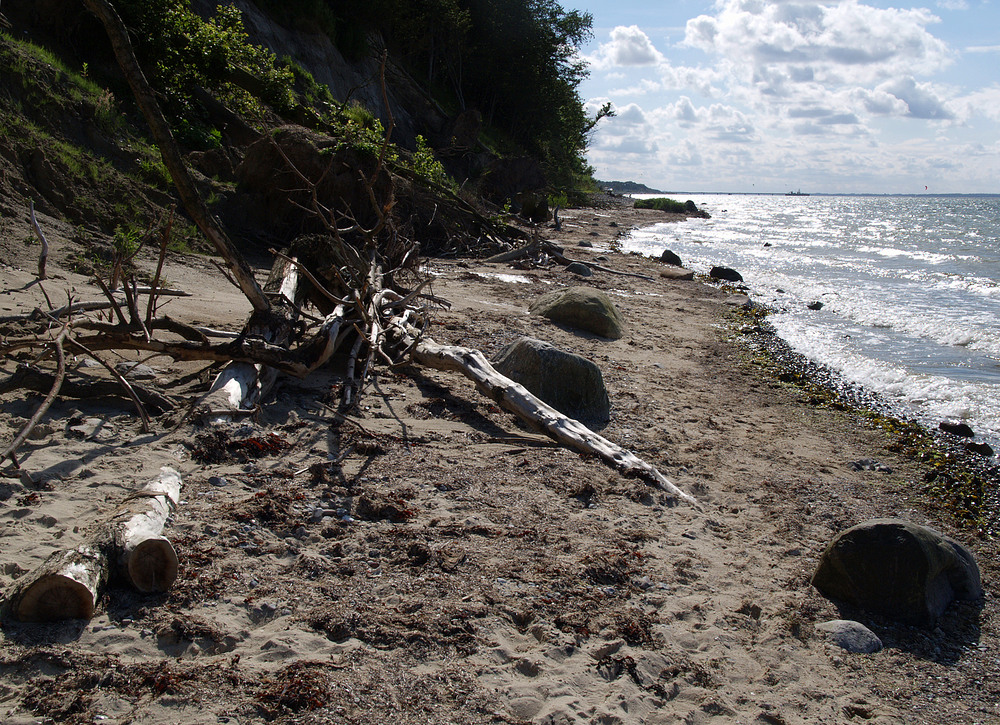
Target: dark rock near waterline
(669, 257)
(982, 449)
(582, 308)
(571, 384)
(904, 571)
(725, 273)
(817, 305)
(956, 428)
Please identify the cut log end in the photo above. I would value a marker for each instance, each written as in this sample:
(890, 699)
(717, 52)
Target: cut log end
(152, 565)
(54, 598)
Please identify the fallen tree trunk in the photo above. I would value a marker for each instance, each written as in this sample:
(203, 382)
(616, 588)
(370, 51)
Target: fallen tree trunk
(68, 584)
(143, 556)
(518, 400)
(65, 586)
(34, 378)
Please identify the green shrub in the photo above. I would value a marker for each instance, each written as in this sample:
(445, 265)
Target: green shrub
(425, 163)
(662, 204)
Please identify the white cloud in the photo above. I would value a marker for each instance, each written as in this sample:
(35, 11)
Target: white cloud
(984, 102)
(629, 46)
(838, 42)
(920, 98)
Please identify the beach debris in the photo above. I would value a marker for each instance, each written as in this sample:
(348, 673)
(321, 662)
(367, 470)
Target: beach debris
(899, 569)
(870, 464)
(851, 636)
(583, 308)
(130, 544)
(357, 265)
(570, 383)
(725, 273)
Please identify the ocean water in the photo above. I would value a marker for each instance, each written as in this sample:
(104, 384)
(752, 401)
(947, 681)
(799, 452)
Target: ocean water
(909, 286)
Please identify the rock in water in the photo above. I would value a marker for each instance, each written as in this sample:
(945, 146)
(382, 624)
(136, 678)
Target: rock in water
(896, 568)
(571, 384)
(583, 308)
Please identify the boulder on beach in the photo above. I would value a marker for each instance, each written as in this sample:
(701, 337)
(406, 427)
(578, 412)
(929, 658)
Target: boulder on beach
(571, 384)
(582, 308)
(899, 569)
(725, 273)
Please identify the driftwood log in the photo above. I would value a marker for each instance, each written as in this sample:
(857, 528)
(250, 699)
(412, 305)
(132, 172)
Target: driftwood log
(68, 584)
(139, 551)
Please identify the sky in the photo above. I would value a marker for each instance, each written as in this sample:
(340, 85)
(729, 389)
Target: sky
(813, 95)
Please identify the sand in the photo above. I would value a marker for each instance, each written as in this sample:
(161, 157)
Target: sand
(433, 562)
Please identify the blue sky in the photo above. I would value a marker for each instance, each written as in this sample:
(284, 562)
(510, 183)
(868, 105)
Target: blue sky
(817, 95)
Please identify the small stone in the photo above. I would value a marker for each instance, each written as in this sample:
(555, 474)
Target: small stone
(41, 432)
(817, 305)
(136, 371)
(851, 636)
(579, 268)
(218, 481)
(585, 243)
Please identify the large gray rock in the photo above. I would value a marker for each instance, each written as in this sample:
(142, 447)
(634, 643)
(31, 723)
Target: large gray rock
(583, 308)
(908, 572)
(571, 384)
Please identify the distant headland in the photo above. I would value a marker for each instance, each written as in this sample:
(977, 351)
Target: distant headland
(627, 187)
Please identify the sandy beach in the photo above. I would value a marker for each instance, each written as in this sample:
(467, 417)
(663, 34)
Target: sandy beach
(432, 561)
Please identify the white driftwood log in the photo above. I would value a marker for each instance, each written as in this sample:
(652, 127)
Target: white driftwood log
(144, 556)
(65, 586)
(69, 582)
(518, 400)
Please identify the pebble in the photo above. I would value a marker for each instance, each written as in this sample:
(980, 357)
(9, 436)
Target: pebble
(218, 481)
